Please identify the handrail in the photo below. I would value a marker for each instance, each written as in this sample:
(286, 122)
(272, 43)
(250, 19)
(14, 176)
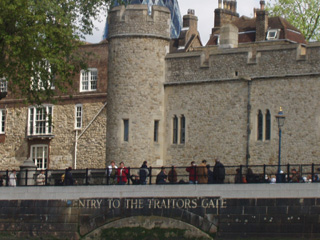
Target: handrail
(178, 174)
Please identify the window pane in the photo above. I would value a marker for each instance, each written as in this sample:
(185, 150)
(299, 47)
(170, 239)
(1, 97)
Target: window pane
(260, 125)
(39, 154)
(3, 85)
(94, 78)
(40, 120)
(78, 116)
(84, 80)
(2, 120)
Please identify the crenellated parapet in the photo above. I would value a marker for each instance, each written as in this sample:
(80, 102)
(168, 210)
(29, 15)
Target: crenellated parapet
(139, 20)
(258, 61)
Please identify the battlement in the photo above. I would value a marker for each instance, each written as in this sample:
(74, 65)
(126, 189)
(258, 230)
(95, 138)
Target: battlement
(139, 21)
(254, 60)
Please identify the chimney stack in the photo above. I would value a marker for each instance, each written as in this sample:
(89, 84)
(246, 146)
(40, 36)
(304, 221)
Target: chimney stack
(227, 14)
(262, 19)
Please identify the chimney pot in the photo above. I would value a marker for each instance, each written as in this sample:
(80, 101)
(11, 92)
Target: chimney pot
(262, 5)
(191, 12)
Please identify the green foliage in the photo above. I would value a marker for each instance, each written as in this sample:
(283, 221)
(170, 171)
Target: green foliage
(39, 41)
(303, 14)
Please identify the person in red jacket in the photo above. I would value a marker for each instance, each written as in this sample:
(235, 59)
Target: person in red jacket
(193, 178)
(122, 174)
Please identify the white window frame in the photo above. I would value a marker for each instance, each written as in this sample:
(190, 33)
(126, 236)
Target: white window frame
(38, 85)
(39, 122)
(2, 121)
(89, 80)
(276, 33)
(3, 85)
(78, 116)
(40, 158)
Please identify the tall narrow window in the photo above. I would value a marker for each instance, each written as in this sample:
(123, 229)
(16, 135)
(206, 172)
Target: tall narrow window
(88, 80)
(268, 125)
(2, 121)
(126, 130)
(175, 129)
(156, 131)
(39, 154)
(182, 129)
(78, 116)
(40, 120)
(260, 125)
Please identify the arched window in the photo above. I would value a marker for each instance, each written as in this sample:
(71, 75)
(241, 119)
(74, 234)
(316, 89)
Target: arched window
(268, 125)
(175, 129)
(260, 125)
(183, 129)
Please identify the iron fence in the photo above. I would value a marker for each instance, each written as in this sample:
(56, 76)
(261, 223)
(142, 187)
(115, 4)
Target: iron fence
(174, 175)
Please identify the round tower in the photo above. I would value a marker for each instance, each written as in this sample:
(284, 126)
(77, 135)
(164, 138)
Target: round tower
(139, 38)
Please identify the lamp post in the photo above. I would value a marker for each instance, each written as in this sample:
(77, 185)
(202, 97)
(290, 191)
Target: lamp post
(280, 119)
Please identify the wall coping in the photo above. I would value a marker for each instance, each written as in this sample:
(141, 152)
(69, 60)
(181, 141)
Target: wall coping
(229, 191)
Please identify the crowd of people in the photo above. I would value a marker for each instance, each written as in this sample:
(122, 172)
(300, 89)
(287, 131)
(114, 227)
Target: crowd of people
(197, 174)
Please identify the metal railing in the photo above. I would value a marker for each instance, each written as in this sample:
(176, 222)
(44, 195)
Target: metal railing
(174, 175)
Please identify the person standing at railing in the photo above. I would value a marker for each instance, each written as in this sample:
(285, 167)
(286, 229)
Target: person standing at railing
(41, 178)
(144, 173)
(219, 172)
(202, 172)
(193, 178)
(111, 173)
(13, 178)
(172, 175)
(68, 179)
(122, 174)
(162, 176)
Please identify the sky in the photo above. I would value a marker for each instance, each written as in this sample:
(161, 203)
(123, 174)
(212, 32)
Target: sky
(204, 10)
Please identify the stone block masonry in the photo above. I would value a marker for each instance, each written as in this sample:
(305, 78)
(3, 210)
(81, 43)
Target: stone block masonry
(227, 211)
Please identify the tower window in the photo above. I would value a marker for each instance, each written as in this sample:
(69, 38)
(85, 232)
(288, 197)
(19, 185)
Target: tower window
(260, 125)
(268, 125)
(126, 130)
(183, 129)
(175, 129)
(263, 125)
(156, 131)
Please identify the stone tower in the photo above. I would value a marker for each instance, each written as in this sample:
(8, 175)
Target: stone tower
(139, 38)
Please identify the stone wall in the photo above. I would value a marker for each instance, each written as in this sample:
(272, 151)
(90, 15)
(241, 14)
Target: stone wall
(91, 146)
(225, 211)
(214, 100)
(138, 43)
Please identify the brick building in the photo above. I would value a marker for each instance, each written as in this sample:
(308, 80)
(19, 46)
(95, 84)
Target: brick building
(170, 101)
(76, 136)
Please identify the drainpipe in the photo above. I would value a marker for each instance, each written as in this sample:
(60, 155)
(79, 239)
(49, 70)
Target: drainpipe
(249, 82)
(75, 150)
(78, 137)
